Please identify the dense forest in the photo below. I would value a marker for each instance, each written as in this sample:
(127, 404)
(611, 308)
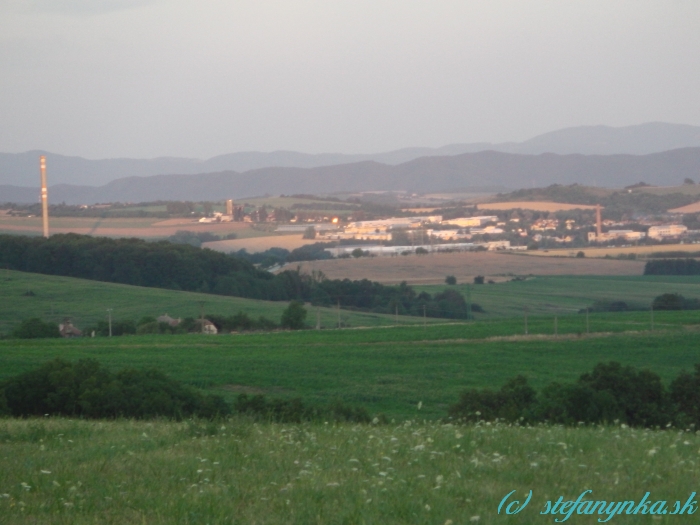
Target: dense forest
(672, 267)
(184, 267)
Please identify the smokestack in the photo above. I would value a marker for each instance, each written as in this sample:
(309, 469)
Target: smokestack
(44, 196)
(598, 223)
(229, 207)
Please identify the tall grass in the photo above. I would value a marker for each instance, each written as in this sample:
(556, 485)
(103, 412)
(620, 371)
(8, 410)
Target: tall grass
(57, 471)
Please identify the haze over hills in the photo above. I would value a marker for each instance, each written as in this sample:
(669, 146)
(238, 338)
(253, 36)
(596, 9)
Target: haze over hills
(21, 169)
(422, 175)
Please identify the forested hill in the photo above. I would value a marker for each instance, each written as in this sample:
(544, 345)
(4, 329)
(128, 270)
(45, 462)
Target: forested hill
(616, 202)
(184, 267)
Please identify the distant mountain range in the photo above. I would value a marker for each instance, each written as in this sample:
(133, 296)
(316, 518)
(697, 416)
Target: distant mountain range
(422, 175)
(21, 169)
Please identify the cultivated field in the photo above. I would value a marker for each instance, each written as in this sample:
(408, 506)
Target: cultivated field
(259, 244)
(614, 252)
(57, 471)
(389, 370)
(432, 269)
(116, 227)
(690, 208)
(533, 205)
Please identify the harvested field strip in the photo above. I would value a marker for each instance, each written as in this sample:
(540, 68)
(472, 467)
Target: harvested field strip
(432, 269)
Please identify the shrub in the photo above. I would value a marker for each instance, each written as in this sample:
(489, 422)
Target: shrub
(86, 389)
(610, 392)
(35, 328)
(674, 301)
(293, 316)
(479, 279)
(511, 402)
(451, 280)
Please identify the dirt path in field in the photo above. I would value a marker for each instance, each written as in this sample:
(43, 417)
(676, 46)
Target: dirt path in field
(432, 269)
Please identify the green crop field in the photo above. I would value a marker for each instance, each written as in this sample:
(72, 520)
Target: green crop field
(386, 370)
(57, 471)
(566, 294)
(86, 302)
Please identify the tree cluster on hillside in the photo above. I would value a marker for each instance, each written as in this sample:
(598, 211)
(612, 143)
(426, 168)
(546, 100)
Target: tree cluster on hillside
(87, 389)
(610, 393)
(672, 267)
(184, 267)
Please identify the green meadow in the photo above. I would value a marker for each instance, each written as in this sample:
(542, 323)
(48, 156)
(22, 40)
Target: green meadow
(413, 469)
(66, 472)
(86, 302)
(386, 370)
(569, 294)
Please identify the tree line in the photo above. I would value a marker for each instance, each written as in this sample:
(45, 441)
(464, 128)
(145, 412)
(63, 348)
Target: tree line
(183, 267)
(672, 267)
(610, 393)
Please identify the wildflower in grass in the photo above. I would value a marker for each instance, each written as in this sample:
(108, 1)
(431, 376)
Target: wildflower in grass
(25, 486)
(45, 471)
(474, 519)
(420, 405)
(427, 507)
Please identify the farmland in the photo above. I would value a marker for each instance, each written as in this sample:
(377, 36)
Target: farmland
(147, 228)
(432, 269)
(595, 252)
(533, 205)
(85, 302)
(569, 294)
(388, 370)
(126, 472)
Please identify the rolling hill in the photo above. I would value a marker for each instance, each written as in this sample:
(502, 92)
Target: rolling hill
(422, 175)
(21, 169)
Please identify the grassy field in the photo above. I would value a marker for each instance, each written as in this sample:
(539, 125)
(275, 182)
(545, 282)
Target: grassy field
(568, 294)
(86, 302)
(76, 473)
(387, 370)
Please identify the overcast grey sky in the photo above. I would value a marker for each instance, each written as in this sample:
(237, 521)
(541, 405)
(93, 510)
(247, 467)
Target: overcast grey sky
(146, 78)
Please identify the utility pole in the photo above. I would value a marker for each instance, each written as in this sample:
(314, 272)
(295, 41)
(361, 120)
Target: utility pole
(201, 314)
(44, 196)
(525, 310)
(109, 314)
(469, 303)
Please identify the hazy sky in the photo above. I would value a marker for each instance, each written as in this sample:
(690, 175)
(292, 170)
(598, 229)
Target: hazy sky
(146, 78)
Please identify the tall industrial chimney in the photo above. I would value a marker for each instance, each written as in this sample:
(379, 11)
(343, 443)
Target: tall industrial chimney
(598, 223)
(44, 196)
